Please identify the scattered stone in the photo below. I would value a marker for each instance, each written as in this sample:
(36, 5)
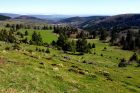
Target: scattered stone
(74, 66)
(105, 73)
(73, 70)
(4, 51)
(63, 60)
(123, 63)
(56, 69)
(66, 57)
(81, 72)
(54, 64)
(89, 62)
(60, 65)
(49, 58)
(93, 76)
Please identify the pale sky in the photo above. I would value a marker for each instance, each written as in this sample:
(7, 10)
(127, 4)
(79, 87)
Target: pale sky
(70, 7)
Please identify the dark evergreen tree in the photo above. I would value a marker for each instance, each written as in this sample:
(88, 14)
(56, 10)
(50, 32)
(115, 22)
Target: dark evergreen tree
(36, 39)
(122, 41)
(25, 40)
(94, 34)
(82, 46)
(89, 46)
(93, 45)
(53, 43)
(113, 37)
(47, 50)
(130, 44)
(103, 34)
(73, 46)
(26, 33)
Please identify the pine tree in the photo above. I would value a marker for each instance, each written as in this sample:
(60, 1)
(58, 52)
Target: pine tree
(26, 33)
(25, 40)
(34, 36)
(73, 46)
(89, 46)
(47, 50)
(113, 37)
(122, 41)
(36, 39)
(82, 46)
(94, 34)
(63, 42)
(93, 45)
(129, 41)
(103, 35)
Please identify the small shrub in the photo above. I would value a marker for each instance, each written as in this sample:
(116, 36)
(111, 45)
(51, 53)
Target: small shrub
(93, 45)
(134, 57)
(7, 48)
(81, 72)
(47, 50)
(41, 63)
(30, 51)
(43, 50)
(102, 55)
(39, 50)
(84, 61)
(105, 48)
(16, 46)
(36, 49)
(123, 63)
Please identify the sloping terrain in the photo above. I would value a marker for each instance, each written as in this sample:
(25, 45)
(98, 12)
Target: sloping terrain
(29, 71)
(121, 21)
(79, 20)
(4, 17)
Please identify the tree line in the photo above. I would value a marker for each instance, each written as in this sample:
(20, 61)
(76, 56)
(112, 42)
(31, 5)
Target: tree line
(81, 45)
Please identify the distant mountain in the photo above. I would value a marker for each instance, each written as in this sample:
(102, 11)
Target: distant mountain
(29, 19)
(24, 17)
(121, 21)
(4, 17)
(79, 20)
(52, 17)
(10, 15)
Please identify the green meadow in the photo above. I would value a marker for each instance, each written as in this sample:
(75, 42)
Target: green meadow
(47, 35)
(28, 71)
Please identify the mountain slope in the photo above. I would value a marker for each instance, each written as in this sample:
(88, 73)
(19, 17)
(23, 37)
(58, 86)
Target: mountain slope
(121, 21)
(4, 17)
(27, 18)
(10, 15)
(80, 20)
(52, 17)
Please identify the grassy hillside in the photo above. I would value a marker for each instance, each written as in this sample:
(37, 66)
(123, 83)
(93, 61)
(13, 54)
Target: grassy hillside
(24, 71)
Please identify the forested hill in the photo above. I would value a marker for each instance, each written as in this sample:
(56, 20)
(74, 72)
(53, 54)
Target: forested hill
(121, 21)
(4, 17)
(79, 20)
